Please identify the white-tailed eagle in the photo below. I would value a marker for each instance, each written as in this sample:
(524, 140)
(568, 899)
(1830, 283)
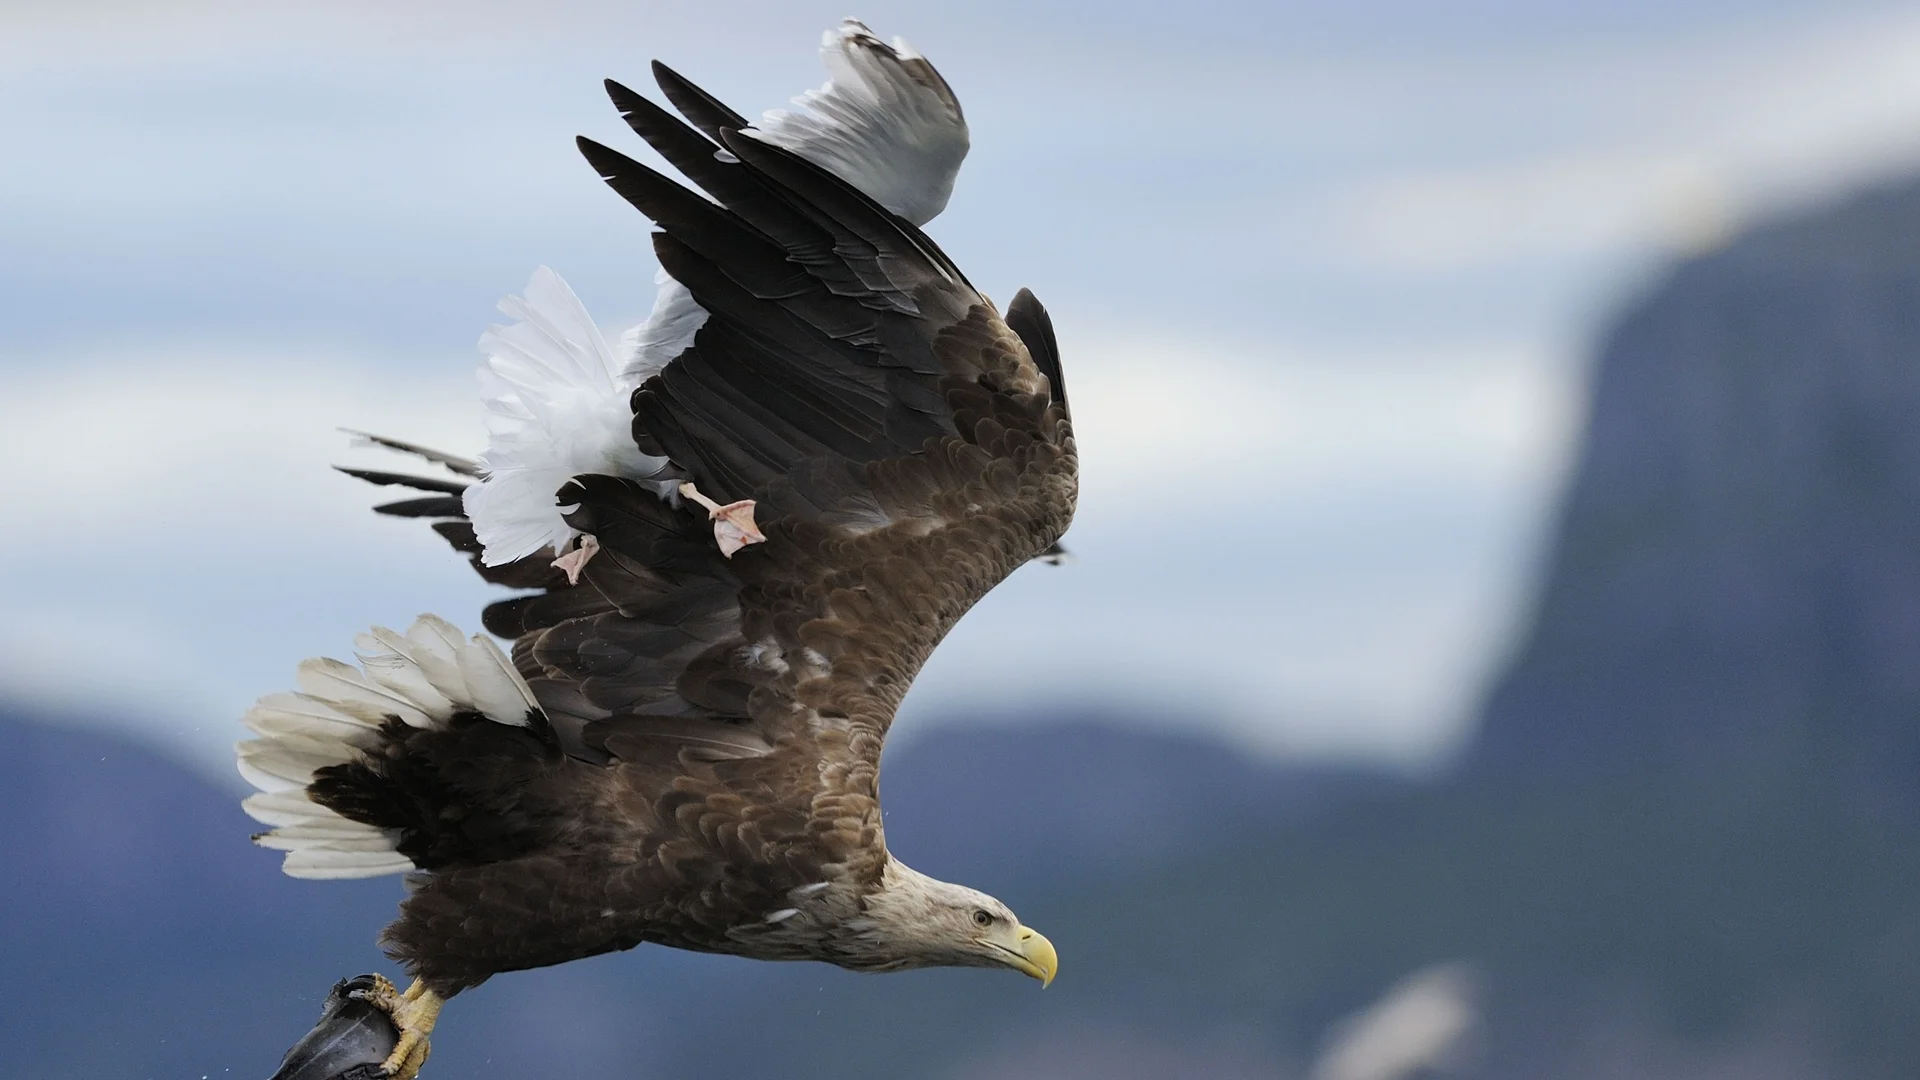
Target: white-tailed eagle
(739, 536)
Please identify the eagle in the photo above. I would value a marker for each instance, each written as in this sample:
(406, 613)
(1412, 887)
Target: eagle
(735, 539)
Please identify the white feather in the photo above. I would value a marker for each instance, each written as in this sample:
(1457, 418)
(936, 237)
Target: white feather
(325, 862)
(286, 808)
(266, 781)
(556, 408)
(387, 659)
(307, 837)
(497, 689)
(879, 123)
(324, 749)
(302, 714)
(667, 332)
(349, 690)
(282, 764)
(340, 833)
(436, 648)
(883, 123)
(424, 677)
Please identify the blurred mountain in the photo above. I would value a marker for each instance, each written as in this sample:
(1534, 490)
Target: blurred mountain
(1736, 577)
(143, 936)
(989, 804)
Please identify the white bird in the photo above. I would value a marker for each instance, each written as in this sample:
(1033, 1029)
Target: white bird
(557, 394)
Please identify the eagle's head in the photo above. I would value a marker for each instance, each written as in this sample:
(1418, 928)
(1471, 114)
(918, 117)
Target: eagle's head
(915, 921)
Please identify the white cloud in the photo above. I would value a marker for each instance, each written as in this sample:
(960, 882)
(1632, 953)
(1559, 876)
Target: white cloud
(1173, 414)
(171, 520)
(1697, 134)
(1592, 203)
(230, 440)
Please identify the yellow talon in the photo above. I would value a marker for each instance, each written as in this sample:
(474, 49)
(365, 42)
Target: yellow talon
(413, 1014)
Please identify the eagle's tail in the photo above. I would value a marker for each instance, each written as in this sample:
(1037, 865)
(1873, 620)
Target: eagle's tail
(430, 678)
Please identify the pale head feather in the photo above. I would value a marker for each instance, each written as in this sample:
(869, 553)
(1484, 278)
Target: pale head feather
(916, 921)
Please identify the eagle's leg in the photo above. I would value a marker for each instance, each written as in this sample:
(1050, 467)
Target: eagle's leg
(575, 561)
(413, 1014)
(733, 526)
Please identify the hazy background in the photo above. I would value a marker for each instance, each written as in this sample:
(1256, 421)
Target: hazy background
(1324, 274)
(1336, 285)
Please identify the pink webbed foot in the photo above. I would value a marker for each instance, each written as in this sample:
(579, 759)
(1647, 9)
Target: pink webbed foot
(576, 560)
(733, 526)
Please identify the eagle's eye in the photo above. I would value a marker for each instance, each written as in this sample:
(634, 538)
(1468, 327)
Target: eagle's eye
(982, 918)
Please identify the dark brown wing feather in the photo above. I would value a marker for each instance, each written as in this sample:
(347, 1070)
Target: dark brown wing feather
(904, 449)
(1030, 320)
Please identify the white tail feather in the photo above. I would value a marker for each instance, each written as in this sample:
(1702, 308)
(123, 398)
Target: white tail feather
(396, 670)
(422, 678)
(556, 408)
(286, 762)
(498, 690)
(436, 646)
(349, 690)
(267, 781)
(325, 862)
(286, 808)
(341, 833)
(303, 714)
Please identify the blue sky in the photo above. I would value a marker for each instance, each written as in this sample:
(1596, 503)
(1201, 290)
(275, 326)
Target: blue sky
(1325, 275)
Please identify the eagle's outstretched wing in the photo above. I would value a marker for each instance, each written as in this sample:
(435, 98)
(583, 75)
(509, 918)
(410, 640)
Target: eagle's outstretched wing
(556, 389)
(905, 446)
(904, 449)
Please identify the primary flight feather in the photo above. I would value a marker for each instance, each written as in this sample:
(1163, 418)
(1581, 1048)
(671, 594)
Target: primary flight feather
(742, 533)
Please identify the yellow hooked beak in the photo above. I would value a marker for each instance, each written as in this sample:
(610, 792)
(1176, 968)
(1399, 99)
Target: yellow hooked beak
(1036, 956)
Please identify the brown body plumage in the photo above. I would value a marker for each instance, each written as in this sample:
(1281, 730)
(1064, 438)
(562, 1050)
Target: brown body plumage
(702, 768)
